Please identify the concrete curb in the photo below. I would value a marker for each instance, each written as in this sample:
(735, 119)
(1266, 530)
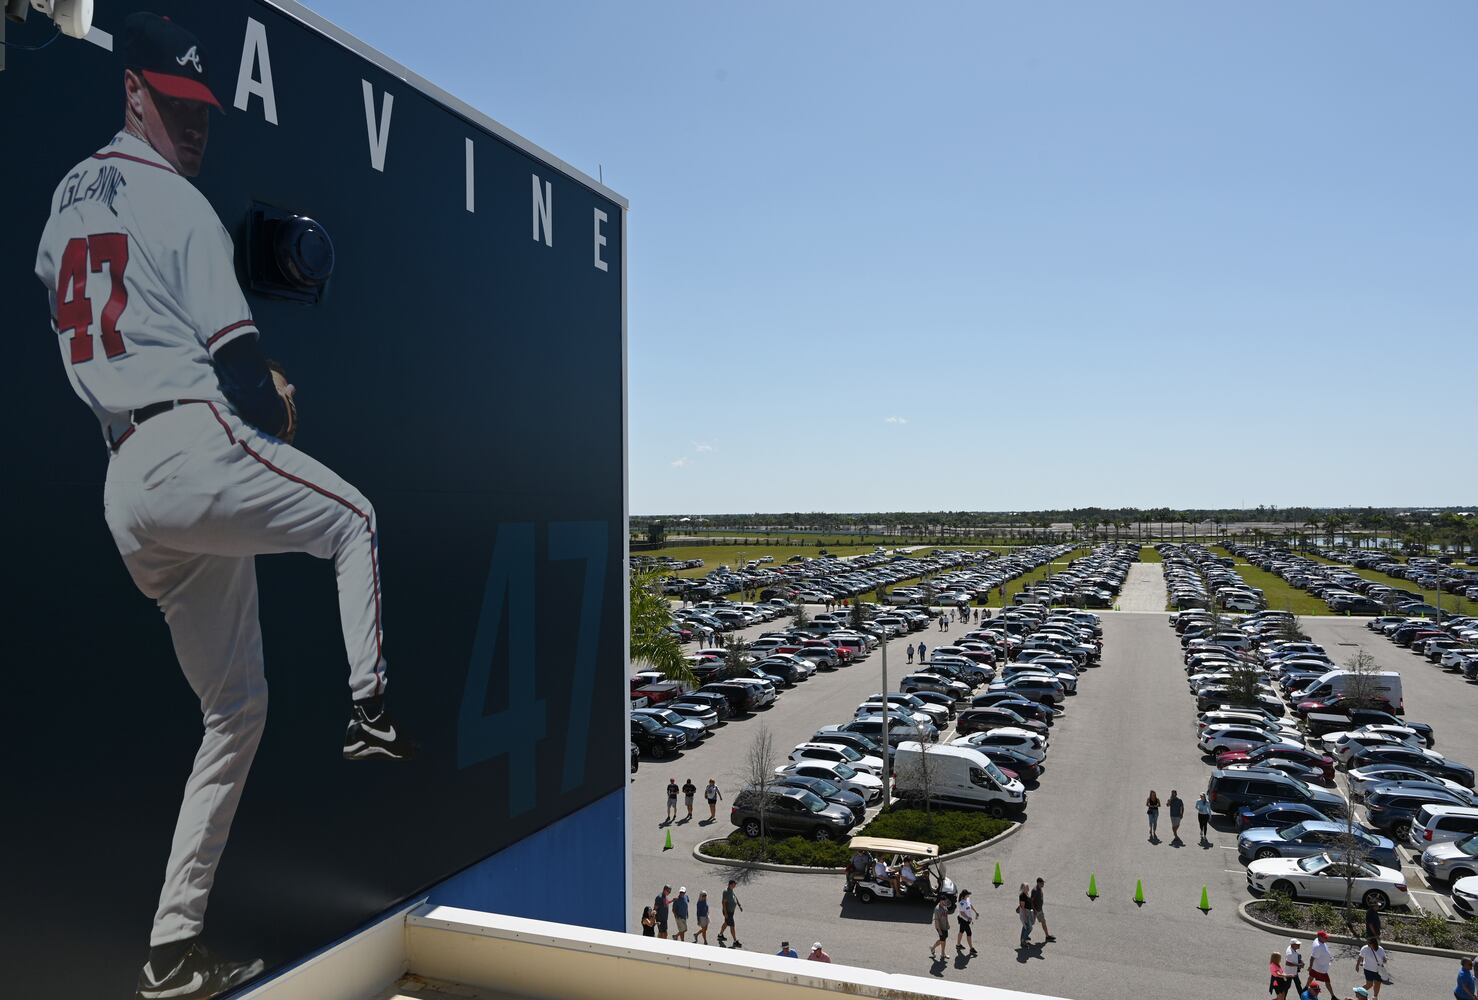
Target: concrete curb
(1415, 949)
(766, 866)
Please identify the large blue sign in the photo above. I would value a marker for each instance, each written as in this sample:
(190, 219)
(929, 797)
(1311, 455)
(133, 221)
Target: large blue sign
(426, 569)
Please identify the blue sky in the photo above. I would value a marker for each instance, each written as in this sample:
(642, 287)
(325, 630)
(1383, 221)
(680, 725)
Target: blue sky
(1010, 256)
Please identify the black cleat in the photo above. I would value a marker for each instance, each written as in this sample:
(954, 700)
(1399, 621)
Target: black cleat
(198, 976)
(375, 736)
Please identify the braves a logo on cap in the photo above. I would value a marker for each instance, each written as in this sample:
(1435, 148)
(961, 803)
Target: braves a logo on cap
(193, 58)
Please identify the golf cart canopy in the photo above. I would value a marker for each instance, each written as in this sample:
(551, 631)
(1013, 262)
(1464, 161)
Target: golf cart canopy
(881, 845)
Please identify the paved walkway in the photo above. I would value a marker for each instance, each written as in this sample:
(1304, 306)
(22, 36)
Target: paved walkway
(1144, 588)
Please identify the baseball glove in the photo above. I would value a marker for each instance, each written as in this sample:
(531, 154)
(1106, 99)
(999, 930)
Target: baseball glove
(286, 390)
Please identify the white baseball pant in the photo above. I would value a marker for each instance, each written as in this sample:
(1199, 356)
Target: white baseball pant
(191, 497)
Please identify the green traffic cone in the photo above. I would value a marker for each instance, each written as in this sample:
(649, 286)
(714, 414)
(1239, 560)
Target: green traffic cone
(668, 846)
(1205, 901)
(1092, 886)
(997, 881)
(1139, 892)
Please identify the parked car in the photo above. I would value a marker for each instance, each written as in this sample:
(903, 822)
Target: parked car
(1438, 823)
(654, 739)
(694, 730)
(791, 812)
(828, 792)
(1312, 837)
(869, 786)
(1391, 810)
(837, 754)
(1364, 780)
(1228, 791)
(1452, 860)
(1324, 877)
(1422, 760)
(1278, 815)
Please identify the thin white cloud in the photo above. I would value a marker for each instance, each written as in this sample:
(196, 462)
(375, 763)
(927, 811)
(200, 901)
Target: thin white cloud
(678, 463)
(701, 446)
(895, 420)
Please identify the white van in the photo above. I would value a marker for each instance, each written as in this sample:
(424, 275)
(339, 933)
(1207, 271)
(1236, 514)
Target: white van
(956, 776)
(1438, 824)
(1387, 685)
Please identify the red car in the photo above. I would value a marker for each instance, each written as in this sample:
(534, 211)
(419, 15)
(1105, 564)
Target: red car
(1266, 754)
(1337, 706)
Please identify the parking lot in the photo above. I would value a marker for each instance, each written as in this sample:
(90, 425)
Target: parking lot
(1130, 729)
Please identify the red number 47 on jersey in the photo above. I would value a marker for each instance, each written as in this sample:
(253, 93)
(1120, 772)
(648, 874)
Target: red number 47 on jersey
(74, 308)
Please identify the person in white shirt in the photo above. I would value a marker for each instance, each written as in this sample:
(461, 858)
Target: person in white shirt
(905, 875)
(1372, 962)
(1320, 961)
(880, 870)
(965, 915)
(1293, 965)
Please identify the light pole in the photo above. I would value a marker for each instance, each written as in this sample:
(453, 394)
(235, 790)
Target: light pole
(887, 757)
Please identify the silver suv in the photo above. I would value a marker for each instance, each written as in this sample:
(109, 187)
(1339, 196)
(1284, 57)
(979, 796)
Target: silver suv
(1451, 861)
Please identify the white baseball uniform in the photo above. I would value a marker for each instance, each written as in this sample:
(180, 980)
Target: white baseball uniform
(143, 291)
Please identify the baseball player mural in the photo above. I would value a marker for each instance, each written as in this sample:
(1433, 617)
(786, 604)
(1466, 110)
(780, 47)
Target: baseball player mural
(156, 337)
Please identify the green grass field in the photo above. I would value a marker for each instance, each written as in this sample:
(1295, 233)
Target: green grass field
(1015, 586)
(1280, 594)
(1450, 602)
(1149, 555)
(734, 556)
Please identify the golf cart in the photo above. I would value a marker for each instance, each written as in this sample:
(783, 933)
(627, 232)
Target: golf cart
(929, 884)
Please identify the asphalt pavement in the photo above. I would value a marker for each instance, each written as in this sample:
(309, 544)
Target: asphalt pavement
(1130, 729)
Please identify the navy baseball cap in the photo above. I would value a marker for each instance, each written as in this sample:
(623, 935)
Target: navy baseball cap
(167, 56)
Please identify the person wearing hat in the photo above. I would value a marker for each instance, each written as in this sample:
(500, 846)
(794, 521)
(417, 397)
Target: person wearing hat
(1320, 961)
(160, 343)
(786, 951)
(1293, 965)
(1362, 993)
(817, 955)
(1313, 992)
(680, 913)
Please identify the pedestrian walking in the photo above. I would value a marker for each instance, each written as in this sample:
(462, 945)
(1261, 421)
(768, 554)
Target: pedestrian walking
(661, 905)
(1320, 962)
(1152, 809)
(701, 912)
(1203, 816)
(689, 790)
(1372, 921)
(711, 795)
(672, 791)
(1467, 987)
(965, 916)
(909, 651)
(1038, 914)
(1177, 813)
(1277, 982)
(730, 905)
(941, 928)
(648, 922)
(923, 653)
(786, 951)
(680, 913)
(1293, 965)
(818, 954)
(1024, 912)
(1312, 992)
(1372, 962)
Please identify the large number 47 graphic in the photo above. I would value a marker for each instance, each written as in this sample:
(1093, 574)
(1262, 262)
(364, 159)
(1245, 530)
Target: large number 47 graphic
(517, 730)
(81, 257)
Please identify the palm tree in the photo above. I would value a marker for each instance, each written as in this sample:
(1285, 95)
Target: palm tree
(651, 642)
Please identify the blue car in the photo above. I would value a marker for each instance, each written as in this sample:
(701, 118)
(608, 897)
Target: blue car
(1277, 814)
(1312, 837)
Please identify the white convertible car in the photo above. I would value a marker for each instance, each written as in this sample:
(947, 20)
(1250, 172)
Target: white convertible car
(1323, 877)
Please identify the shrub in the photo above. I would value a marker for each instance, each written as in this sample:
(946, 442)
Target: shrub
(780, 851)
(951, 829)
(1323, 914)
(1285, 910)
